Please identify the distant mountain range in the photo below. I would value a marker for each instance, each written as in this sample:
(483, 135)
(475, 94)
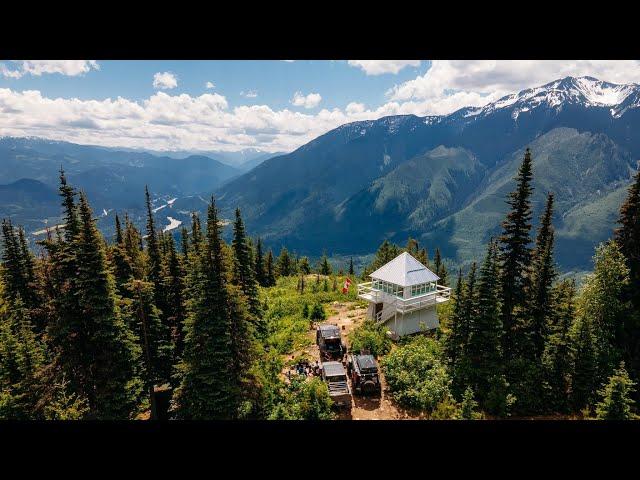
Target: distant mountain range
(443, 179)
(113, 180)
(244, 160)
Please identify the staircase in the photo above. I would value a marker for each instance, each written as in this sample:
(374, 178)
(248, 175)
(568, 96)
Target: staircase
(386, 313)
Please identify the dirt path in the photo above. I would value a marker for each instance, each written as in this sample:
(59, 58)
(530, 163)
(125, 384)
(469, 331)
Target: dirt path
(347, 318)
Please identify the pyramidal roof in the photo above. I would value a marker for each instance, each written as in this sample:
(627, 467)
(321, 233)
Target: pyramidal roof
(405, 270)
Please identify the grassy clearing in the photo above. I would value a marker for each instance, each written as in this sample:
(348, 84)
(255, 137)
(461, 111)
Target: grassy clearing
(288, 327)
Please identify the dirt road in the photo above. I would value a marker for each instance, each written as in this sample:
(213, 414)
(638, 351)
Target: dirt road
(348, 317)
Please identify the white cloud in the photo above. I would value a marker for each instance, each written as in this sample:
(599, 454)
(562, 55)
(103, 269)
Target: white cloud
(7, 72)
(37, 68)
(167, 121)
(209, 85)
(355, 107)
(162, 121)
(164, 81)
(379, 67)
(450, 85)
(453, 84)
(170, 122)
(307, 101)
(249, 94)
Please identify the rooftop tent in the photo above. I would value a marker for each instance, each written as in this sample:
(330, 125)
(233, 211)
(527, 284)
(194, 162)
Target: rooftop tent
(405, 271)
(366, 362)
(333, 369)
(329, 331)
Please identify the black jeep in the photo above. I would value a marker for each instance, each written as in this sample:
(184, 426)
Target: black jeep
(330, 342)
(335, 377)
(363, 371)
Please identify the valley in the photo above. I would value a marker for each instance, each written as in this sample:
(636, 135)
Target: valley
(235, 318)
(439, 179)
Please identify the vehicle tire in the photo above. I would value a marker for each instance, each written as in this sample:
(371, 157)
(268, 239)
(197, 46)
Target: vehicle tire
(368, 387)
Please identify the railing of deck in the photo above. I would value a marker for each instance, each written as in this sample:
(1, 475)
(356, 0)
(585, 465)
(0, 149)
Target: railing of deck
(402, 305)
(441, 293)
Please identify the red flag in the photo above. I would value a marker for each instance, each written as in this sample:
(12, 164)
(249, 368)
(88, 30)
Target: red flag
(345, 287)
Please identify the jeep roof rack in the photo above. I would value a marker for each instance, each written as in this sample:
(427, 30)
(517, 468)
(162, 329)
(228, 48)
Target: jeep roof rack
(329, 329)
(366, 361)
(333, 368)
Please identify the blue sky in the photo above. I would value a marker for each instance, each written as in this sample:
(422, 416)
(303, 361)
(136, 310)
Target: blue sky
(271, 105)
(275, 82)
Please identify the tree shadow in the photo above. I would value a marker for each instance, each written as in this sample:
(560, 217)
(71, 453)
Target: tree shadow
(344, 414)
(367, 402)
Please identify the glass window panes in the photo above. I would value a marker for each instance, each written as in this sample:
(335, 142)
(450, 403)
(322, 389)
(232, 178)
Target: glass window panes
(422, 289)
(389, 288)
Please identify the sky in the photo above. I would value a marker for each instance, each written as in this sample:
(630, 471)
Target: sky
(271, 105)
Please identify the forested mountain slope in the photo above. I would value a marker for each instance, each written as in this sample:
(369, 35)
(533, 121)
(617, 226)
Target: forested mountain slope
(443, 178)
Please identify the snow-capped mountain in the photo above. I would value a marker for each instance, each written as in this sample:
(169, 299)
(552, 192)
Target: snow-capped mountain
(585, 91)
(443, 178)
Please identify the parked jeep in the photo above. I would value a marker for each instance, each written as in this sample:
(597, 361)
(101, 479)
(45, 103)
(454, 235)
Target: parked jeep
(329, 342)
(335, 377)
(363, 372)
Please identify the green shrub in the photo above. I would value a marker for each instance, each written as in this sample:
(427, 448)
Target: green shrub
(371, 337)
(317, 312)
(304, 400)
(416, 374)
(266, 373)
(447, 409)
(288, 329)
(468, 406)
(616, 397)
(499, 399)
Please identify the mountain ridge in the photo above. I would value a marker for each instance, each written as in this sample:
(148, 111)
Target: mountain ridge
(306, 194)
(439, 178)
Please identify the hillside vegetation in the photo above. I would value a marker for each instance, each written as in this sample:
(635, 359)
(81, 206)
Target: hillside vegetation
(102, 330)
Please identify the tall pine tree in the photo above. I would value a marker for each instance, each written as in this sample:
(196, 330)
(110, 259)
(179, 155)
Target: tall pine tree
(602, 301)
(14, 274)
(173, 286)
(259, 264)
(217, 334)
(122, 265)
(385, 253)
(22, 356)
(516, 258)
(154, 251)
(284, 264)
(557, 359)
(324, 267)
(184, 241)
(97, 347)
(303, 266)
(440, 268)
(152, 338)
(627, 236)
(455, 344)
(485, 333)
(243, 274)
(583, 381)
(540, 305)
(270, 276)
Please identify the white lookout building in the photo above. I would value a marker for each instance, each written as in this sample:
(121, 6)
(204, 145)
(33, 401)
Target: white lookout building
(403, 295)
